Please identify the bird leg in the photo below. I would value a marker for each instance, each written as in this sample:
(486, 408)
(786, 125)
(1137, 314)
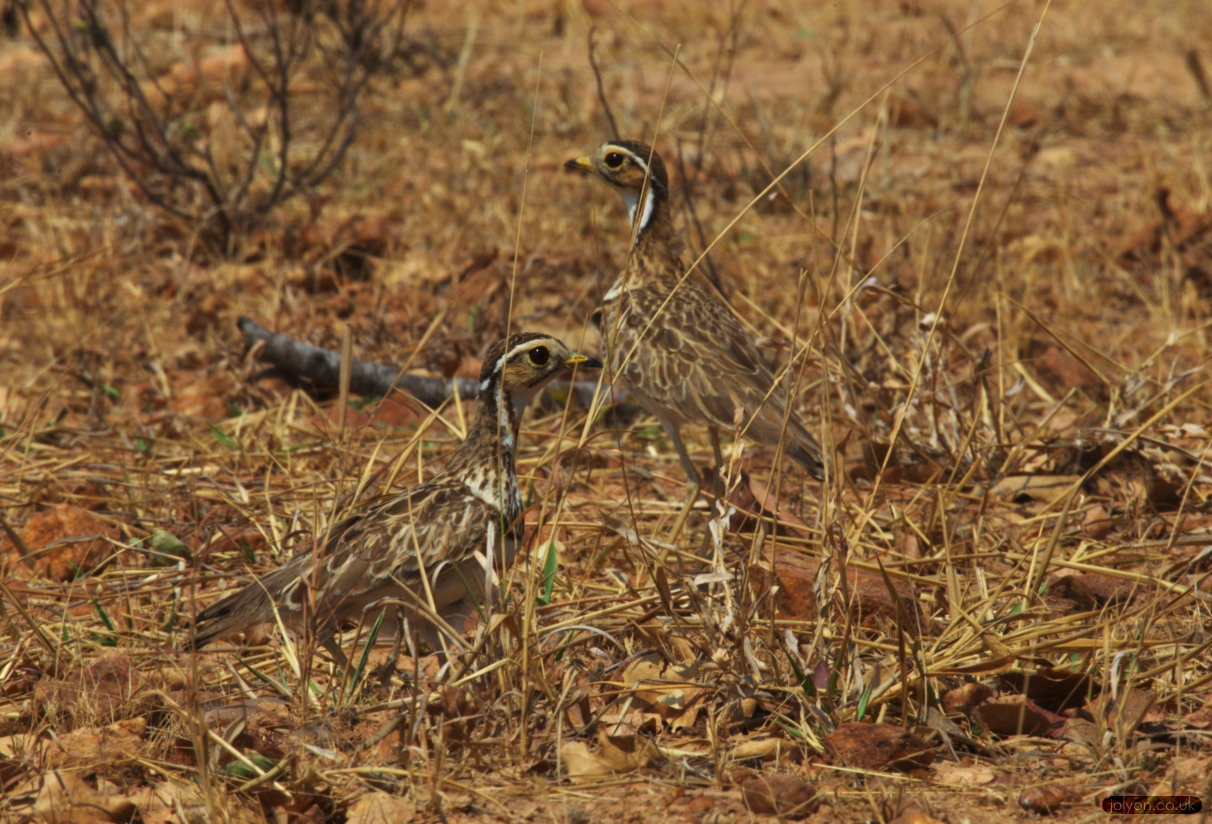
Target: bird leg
(694, 481)
(714, 433)
(388, 668)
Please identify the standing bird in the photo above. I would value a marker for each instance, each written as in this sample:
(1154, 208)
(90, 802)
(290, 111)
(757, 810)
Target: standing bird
(431, 548)
(694, 362)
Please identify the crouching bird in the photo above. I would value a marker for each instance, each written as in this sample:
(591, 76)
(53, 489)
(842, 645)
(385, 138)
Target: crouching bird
(431, 551)
(680, 351)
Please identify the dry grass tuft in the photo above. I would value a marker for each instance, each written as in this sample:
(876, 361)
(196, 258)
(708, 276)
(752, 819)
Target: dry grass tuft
(1008, 580)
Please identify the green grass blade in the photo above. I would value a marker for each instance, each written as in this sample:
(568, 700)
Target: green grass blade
(370, 642)
(549, 573)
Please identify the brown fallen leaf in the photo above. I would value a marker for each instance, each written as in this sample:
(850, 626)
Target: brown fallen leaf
(1041, 800)
(1039, 488)
(579, 762)
(914, 815)
(381, 808)
(1016, 715)
(966, 697)
(624, 749)
(1054, 689)
(767, 749)
(92, 747)
(1097, 522)
(110, 687)
(65, 798)
(963, 775)
(877, 747)
(796, 600)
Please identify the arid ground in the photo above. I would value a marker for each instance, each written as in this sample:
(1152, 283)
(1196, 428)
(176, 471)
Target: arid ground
(979, 233)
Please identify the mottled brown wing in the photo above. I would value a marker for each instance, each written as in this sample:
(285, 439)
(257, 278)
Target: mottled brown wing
(363, 553)
(441, 520)
(699, 363)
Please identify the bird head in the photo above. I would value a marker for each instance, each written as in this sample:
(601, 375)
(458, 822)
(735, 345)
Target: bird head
(524, 363)
(625, 164)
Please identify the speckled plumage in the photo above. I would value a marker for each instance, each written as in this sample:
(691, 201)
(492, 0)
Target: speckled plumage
(695, 363)
(446, 528)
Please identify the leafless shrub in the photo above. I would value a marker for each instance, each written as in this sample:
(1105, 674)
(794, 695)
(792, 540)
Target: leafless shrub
(222, 143)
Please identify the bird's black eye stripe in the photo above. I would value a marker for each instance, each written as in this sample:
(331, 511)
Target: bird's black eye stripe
(539, 356)
(614, 160)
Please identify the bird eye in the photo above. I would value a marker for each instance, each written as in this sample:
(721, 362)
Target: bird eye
(539, 356)
(614, 160)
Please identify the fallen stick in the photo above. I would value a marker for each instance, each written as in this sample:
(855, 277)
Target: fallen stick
(323, 367)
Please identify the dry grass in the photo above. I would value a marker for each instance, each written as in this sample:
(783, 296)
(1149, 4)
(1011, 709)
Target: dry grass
(1030, 343)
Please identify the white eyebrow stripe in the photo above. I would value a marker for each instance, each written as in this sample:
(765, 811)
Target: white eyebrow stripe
(522, 347)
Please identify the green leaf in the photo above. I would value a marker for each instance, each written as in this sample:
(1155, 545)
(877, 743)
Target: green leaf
(222, 437)
(280, 686)
(169, 547)
(140, 444)
(238, 769)
(105, 619)
(805, 682)
(549, 573)
(370, 642)
(109, 390)
(864, 699)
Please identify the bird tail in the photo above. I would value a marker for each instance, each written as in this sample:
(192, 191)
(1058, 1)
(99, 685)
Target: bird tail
(810, 460)
(801, 446)
(254, 604)
(232, 614)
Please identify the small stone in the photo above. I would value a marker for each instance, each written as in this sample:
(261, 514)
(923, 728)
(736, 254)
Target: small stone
(787, 796)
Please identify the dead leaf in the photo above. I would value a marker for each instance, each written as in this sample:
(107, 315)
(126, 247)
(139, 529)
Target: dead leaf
(91, 747)
(966, 697)
(877, 747)
(1041, 800)
(767, 749)
(579, 762)
(1039, 488)
(1016, 715)
(1052, 688)
(963, 775)
(381, 808)
(787, 796)
(66, 798)
(624, 749)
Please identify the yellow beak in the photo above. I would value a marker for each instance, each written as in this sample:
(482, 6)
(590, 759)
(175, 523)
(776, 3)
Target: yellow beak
(585, 359)
(580, 163)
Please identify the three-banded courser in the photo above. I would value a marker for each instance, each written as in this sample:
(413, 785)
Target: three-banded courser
(427, 550)
(680, 351)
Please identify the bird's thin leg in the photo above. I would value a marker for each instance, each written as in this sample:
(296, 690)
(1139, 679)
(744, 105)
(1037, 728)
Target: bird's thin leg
(714, 433)
(694, 481)
(388, 668)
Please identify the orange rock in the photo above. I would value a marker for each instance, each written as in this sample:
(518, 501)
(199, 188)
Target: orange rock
(63, 542)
